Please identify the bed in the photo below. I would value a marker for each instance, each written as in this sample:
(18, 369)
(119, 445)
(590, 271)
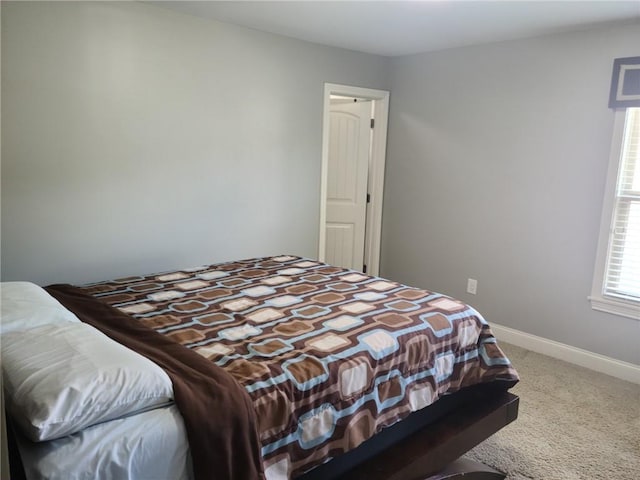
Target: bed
(279, 367)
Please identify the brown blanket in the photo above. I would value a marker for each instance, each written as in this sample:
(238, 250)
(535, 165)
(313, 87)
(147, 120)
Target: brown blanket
(218, 414)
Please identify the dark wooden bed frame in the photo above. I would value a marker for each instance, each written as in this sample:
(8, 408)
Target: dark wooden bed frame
(429, 443)
(431, 452)
(429, 448)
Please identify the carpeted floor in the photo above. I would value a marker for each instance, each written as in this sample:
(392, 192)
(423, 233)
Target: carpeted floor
(573, 424)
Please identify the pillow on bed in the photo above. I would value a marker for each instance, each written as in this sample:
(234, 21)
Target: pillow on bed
(60, 379)
(26, 305)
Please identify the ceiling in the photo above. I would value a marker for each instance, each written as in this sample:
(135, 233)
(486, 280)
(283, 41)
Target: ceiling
(405, 27)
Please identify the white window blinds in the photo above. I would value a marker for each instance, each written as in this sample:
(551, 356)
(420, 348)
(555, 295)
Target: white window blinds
(622, 273)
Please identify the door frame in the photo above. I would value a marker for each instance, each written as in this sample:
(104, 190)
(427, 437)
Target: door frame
(375, 185)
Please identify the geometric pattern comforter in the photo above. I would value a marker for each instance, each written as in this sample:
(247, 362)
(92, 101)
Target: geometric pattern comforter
(329, 356)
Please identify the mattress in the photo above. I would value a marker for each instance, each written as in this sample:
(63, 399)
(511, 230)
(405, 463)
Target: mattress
(123, 449)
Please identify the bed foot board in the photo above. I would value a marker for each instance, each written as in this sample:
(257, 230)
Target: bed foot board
(432, 450)
(466, 469)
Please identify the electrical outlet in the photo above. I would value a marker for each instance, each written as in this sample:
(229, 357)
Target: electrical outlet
(472, 286)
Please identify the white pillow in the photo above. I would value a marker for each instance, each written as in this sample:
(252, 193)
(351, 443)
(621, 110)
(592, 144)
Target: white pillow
(60, 379)
(26, 305)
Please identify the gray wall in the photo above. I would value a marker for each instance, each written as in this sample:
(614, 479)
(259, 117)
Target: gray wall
(136, 139)
(496, 165)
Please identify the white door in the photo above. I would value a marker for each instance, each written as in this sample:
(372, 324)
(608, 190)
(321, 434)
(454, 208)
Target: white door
(346, 201)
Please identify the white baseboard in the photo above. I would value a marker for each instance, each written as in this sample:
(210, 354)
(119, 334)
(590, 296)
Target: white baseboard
(584, 358)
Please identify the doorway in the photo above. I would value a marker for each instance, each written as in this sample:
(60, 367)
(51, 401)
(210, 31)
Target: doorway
(352, 179)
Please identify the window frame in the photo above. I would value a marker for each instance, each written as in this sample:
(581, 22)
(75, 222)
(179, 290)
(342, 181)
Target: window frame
(599, 301)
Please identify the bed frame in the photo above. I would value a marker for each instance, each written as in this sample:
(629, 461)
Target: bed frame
(430, 452)
(428, 444)
(433, 453)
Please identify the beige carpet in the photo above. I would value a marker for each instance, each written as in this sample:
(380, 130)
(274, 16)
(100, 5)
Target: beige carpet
(573, 424)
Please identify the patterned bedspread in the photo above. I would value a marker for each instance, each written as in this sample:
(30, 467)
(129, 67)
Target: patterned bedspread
(329, 356)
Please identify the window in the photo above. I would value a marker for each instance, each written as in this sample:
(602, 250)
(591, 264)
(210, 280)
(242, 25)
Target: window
(616, 286)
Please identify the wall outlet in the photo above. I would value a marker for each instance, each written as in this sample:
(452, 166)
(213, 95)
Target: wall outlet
(472, 286)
